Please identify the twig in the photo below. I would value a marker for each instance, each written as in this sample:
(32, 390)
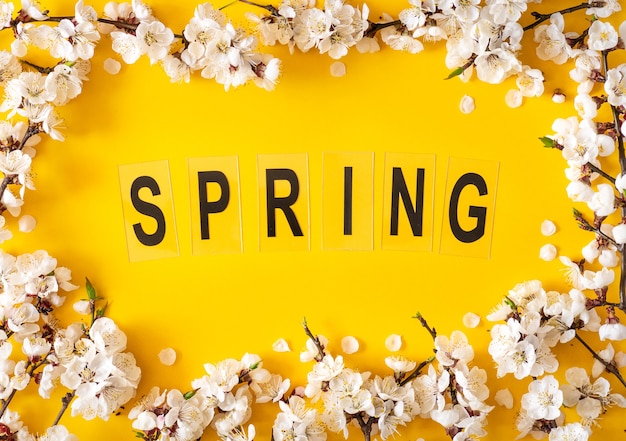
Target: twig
(584, 224)
(366, 427)
(5, 403)
(431, 331)
(622, 163)
(315, 339)
(417, 371)
(610, 367)
(540, 18)
(601, 172)
(373, 28)
(66, 400)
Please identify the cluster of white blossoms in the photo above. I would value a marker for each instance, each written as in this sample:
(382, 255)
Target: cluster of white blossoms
(541, 406)
(536, 321)
(485, 37)
(220, 400)
(94, 366)
(588, 143)
(585, 142)
(453, 394)
(211, 45)
(88, 360)
(13, 428)
(300, 24)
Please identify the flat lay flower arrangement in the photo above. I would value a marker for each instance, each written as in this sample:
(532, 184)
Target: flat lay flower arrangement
(87, 358)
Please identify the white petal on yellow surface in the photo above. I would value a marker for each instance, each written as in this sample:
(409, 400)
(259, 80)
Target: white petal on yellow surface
(112, 66)
(471, 320)
(547, 252)
(513, 98)
(467, 104)
(393, 342)
(548, 228)
(504, 397)
(349, 344)
(27, 223)
(167, 356)
(281, 345)
(337, 69)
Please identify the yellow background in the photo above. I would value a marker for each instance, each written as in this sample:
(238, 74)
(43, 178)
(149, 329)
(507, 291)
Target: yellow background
(216, 306)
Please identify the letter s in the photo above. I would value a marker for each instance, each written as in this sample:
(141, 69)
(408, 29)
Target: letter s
(147, 209)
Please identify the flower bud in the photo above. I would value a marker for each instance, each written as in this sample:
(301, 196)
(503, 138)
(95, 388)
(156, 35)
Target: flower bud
(612, 331)
(619, 233)
(558, 96)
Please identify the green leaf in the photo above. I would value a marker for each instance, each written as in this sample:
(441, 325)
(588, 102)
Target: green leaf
(189, 395)
(510, 303)
(547, 142)
(100, 312)
(91, 291)
(455, 73)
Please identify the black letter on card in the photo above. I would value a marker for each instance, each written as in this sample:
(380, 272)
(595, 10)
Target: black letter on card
(147, 209)
(273, 203)
(347, 201)
(206, 206)
(480, 213)
(399, 189)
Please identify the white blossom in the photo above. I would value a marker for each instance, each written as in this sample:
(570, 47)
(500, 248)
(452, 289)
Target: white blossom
(543, 399)
(570, 432)
(154, 39)
(602, 36)
(615, 85)
(552, 44)
(495, 66)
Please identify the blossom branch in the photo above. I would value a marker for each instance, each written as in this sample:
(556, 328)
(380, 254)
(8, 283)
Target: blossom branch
(66, 400)
(3, 186)
(5, 403)
(31, 367)
(366, 426)
(422, 320)
(599, 171)
(316, 341)
(621, 152)
(132, 27)
(119, 24)
(40, 69)
(459, 70)
(540, 18)
(578, 40)
(584, 224)
(375, 27)
(417, 371)
(93, 298)
(610, 367)
(31, 130)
